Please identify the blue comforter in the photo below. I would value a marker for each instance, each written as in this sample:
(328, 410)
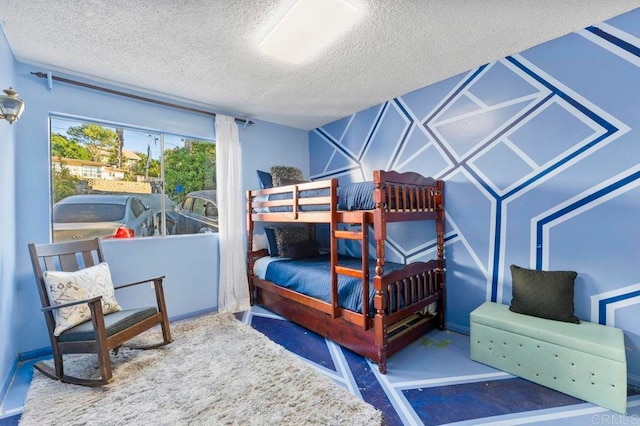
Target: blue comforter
(353, 196)
(312, 277)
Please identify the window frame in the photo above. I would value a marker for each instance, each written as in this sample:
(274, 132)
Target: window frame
(96, 172)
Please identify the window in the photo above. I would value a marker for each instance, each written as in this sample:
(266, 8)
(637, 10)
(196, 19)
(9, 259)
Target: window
(187, 203)
(211, 210)
(96, 166)
(81, 212)
(198, 206)
(137, 207)
(90, 172)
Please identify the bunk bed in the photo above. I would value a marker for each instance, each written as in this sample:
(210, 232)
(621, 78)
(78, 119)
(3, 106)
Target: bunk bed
(401, 298)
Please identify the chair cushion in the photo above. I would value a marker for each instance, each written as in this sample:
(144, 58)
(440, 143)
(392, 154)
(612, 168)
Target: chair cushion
(114, 323)
(64, 287)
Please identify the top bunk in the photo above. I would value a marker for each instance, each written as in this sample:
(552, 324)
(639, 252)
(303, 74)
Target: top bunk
(390, 197)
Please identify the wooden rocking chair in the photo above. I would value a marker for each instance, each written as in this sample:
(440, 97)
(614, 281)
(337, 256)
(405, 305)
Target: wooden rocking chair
(104, 332)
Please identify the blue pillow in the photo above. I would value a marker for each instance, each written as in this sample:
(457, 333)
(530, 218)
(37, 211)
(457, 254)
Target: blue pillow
(273, 244)
(265, 179)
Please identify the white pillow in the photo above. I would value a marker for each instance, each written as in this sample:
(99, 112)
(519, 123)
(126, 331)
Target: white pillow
(86, 283)
(260, 242)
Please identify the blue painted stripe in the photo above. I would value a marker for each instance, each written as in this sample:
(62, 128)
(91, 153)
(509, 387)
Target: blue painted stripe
(405, 136)
(496, 253)
(583, 109)
(478, 178)
(509, 127)
(552, 167)
(335, 173)
(396, 247)
(602, 308)
(376, 124)
(430, 246)
(634, 50)
(576, 205)
(425, 123)
(463, 86)
(335, 143)
(610, 128)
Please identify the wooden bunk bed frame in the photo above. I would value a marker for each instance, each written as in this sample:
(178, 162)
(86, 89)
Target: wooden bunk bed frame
(398, 197)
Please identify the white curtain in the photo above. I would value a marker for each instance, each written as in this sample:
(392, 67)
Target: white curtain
(234, 291)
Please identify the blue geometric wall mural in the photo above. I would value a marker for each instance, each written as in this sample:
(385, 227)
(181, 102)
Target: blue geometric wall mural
(540, 154)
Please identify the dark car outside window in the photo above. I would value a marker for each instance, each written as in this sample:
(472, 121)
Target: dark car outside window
(69, 213)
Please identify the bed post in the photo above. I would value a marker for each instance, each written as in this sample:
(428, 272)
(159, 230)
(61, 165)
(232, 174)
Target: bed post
(440, 222)
(250, 258)
(379, 302)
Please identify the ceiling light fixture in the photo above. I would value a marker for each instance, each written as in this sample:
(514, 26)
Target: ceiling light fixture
(307, 27)
(11, 106)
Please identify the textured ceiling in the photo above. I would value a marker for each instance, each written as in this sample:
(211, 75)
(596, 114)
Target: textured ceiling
(205, 51)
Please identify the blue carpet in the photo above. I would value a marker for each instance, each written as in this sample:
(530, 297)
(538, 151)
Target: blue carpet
(454, 403)
(10, 421)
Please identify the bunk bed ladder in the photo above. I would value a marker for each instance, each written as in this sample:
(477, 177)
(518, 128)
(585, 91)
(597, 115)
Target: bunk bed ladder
(363, 272)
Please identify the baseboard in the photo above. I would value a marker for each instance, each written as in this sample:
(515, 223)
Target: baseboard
(457, 328)
(8, 379)
(36, 353)
(193, 314)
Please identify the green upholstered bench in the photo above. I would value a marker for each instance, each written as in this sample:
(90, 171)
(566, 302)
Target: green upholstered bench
(585, 360)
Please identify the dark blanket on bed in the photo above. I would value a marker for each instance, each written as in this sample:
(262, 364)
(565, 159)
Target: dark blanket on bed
(312, 277)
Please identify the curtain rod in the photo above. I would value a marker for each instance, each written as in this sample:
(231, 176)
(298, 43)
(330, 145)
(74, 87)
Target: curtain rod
(129, 95)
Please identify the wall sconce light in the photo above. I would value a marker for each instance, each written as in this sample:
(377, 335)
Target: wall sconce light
(11, 106)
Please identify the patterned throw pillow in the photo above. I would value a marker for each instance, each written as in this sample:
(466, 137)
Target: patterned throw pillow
(287, 172)
(86, 283)
(286, 235)
(286, 181)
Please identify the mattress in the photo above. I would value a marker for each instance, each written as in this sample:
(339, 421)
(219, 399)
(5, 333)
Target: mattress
(312, 277)
(353, 196)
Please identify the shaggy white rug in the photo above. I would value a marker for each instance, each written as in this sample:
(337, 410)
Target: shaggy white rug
(217, 371)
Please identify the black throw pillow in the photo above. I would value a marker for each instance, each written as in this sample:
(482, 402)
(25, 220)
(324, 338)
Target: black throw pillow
(302, 249)
(544, 294)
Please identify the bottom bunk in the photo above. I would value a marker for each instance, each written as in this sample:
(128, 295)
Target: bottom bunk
(400, 306)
